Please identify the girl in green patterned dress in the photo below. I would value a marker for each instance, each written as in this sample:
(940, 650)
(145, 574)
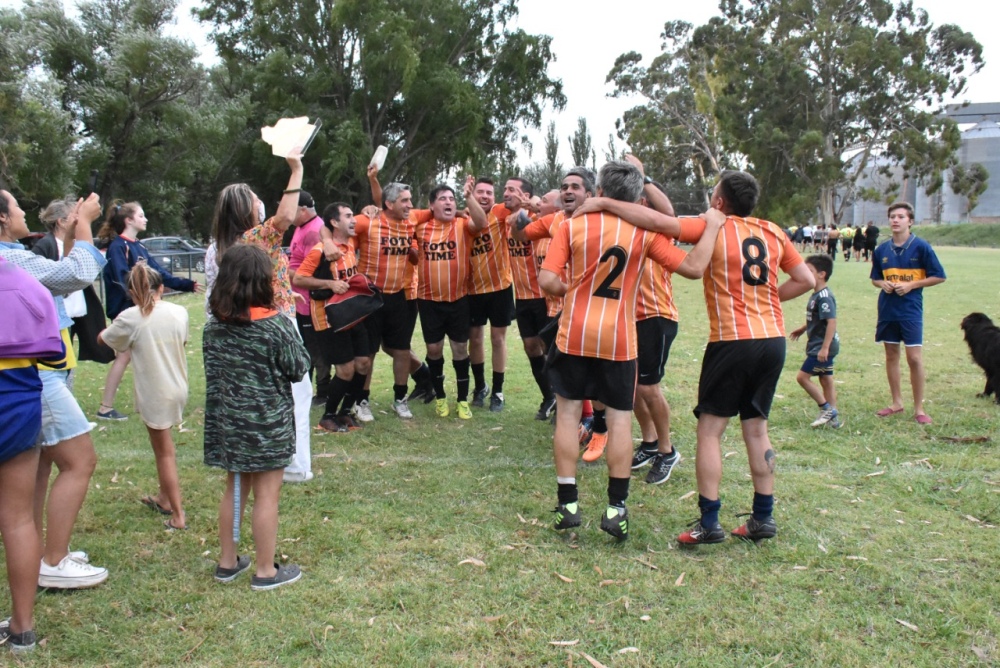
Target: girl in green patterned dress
(252, 354)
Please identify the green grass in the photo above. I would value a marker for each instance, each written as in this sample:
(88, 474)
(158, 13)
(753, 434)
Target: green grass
(880, 521)
(980, 235)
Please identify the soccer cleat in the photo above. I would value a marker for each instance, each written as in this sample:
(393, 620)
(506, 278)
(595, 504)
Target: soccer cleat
(362, 411)
(479, 396)
(112, 414)
(422, 390)
(19, 643)
(663, 465)
(332, 425)
(835, 423)
(546, 408)
(825, 417)
(756, 530)
(441, 407)
(402, 409)
(349, 422)
(641, 457)
(596, 447)
(701, 535)
(586, 431)
(567, 515)
(463, 410)
(496, 402)
(615, 522)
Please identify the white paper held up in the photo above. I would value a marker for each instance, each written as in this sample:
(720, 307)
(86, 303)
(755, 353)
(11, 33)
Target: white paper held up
(289, 133)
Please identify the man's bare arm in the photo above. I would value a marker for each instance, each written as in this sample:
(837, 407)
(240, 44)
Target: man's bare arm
(697, 260)
(800, 281)
(549, 281)
(638, 215)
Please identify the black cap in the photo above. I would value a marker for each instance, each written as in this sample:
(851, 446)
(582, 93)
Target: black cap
(306, 200)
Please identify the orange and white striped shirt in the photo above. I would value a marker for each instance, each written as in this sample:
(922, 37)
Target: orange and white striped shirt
(741, 282)
(540, 232)
(490, 262)
(656, 293)
(383, 251)
(444, 252)
(341, 270)
(604, 257)
(553, 304)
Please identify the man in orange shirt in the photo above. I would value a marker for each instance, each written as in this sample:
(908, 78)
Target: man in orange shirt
(746, 350)
(596, 348)
(491, 296)
(444, 248)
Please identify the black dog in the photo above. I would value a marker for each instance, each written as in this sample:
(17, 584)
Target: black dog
(983, 338)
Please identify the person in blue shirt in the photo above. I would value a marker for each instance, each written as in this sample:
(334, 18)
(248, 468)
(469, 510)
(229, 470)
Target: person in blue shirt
(123, 225)
(902, 267)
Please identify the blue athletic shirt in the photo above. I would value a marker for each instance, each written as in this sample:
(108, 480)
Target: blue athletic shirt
(913, 261)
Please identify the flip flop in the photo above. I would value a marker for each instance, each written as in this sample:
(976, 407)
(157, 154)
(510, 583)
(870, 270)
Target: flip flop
(170, 527)
(886, 412)
(151, 503)
(923, 418)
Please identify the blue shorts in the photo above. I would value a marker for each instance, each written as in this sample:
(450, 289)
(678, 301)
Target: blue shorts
(908, 332)
(814, 367)
(62, 417)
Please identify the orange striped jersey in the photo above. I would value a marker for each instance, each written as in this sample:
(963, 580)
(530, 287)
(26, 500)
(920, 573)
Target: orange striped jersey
(605, 257)
(741, 282)
(490, 264)
(444, 251)
(383, 249)
(540, 232)
(553, 304)
(544, 227)
(341, 270)
(656, 292)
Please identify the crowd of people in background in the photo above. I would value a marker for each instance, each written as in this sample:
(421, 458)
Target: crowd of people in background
(585, 271)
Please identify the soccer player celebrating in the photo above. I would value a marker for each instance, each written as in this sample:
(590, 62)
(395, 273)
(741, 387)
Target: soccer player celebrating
(595, 354)
(444, 249)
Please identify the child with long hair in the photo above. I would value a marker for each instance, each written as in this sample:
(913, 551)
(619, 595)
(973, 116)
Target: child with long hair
(252, 354)
(124, 223)
(155, 333)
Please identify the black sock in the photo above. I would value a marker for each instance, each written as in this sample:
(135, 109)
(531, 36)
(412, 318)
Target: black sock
(479, 375)
(763, 506)
(338, 388)
(354, 391)
(461, 379)
(600, 426)
(709, 511)
(399, 392)
(365, 394)
(617, 491)
(498, 382)
(437, 376)
(567, 493)
(421, 375)
(538, 371)
(650, 446)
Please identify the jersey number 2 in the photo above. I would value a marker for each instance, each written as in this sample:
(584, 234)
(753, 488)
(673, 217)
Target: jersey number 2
(755, 270)
(619, 257)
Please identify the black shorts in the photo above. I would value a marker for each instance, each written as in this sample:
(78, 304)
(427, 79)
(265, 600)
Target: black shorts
(532, 316)
(342, 347)
(495, 307)
(440, 319)
(392, 325)
(578, 378)
(739, 377)
(311, 339)
(655, 335)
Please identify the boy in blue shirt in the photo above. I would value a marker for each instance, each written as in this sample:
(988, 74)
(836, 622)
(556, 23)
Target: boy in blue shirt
(901, 267)
(823, 343)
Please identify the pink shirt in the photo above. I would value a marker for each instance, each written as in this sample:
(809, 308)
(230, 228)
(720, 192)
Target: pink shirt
(304, 238)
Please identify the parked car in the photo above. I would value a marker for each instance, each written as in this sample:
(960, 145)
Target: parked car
(177, 253)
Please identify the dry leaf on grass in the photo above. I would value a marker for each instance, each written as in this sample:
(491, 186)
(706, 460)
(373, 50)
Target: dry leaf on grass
(564, 643)
(876, 473)
(629, 650)
(645, 618)
(688, 495)
(981, 653)
(563, 578)
(854, 557)
(965, 439)
(325, 454)
(821, 548)
(592, 661)
(494, 618)
(473, 561)
(679, 582)
(912, 627)
(972, 519)
(114, 478)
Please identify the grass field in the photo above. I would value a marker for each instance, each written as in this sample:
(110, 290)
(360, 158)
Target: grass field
(886, 556)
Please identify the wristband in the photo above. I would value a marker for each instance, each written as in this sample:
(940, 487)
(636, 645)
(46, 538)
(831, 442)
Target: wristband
(291, 191)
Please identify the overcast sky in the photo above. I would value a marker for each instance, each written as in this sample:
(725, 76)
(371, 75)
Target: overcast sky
(588, 35)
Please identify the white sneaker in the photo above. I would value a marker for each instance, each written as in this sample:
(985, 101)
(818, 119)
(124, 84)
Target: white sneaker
(825, 416)
(297, 476)
(70, 574)
(362, 411)
(402, 409)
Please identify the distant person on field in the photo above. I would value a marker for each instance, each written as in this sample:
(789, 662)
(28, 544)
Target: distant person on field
(846, 240)
(859, 242)
(901, 268)
(871, 240)
(831, 242)
(822, 343)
